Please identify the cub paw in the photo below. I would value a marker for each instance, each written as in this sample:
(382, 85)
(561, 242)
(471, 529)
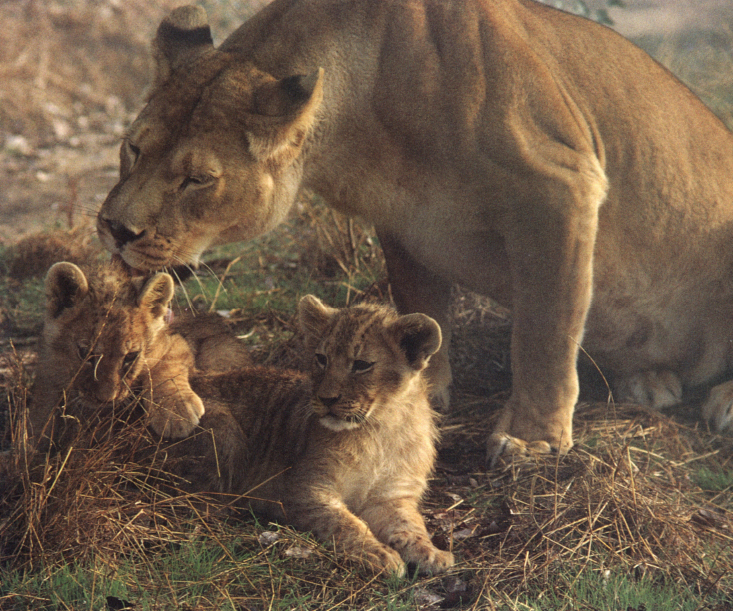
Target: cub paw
(505, 448)
(382, 559)
(718, 409)
(655, 389)
(176, 417)
(429, 559)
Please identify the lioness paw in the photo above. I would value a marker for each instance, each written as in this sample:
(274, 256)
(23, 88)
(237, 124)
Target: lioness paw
(176, 417)
(718, 409)
(655, 389)
(504, 447)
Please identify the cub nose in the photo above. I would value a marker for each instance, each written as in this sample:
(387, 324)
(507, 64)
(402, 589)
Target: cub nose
(329, 402)
(120, 233)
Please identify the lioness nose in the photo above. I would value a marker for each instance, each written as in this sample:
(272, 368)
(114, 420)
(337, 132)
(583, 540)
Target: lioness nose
(329, 402)
(121, 234)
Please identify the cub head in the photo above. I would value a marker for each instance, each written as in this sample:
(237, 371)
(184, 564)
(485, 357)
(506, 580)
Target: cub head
(103, 329)
(367, 360)
(213, 157)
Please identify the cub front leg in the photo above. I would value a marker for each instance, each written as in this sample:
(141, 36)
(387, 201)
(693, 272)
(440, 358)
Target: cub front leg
(550, 240)
(399, 524)
(332, 522)
(174, 409)
(416, 289)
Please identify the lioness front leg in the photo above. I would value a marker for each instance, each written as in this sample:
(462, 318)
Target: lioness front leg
(399, 524)
(550, 239)
(174, 409)
(416, 289)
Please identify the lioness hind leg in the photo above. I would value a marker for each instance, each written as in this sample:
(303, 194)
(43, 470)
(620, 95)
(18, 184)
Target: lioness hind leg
(399, 524)
(655, 389)
(718, 409)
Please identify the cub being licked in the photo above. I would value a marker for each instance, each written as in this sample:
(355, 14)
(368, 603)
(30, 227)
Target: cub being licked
(346, 452)
(500, 144)
(104, 336)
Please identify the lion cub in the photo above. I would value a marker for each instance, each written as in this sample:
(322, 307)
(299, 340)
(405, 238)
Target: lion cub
(345, 452)
(104, 335)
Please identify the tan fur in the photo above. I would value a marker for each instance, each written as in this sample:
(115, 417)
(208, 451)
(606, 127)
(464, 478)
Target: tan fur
(212, 342)
(528, 154)
(345, 454)
(105, 335)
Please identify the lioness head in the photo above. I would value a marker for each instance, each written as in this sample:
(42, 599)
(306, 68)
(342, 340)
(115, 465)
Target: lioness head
(366, 360)
(212, 158)
(103, 330)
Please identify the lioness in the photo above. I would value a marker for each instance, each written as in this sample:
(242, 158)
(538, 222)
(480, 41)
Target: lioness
(525, 153)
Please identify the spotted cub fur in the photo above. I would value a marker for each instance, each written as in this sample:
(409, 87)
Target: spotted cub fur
(346, 451)
(105, 335)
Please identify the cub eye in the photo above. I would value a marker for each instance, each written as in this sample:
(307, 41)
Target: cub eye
(361, 366)
(129, 360)
(322, 360)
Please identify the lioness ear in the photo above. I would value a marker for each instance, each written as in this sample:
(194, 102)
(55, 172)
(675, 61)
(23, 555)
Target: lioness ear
(313, 317)
(156, 294)
(418, 336)
(283, 112)
(65, 285)
(181, 36)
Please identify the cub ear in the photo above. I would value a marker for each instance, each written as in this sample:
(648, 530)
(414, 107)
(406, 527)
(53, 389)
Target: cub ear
(65, 285)
(418, 336)
(283, 112)
(181, 36)
(313, 317)
(156, 294)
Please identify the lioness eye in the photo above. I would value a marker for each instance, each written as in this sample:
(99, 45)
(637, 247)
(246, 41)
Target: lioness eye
(195, 181)
(361, 366)
(129, 359)
(322, 360)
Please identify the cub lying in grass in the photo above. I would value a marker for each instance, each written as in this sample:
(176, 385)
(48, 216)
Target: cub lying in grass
(344, 452)
(105, 335)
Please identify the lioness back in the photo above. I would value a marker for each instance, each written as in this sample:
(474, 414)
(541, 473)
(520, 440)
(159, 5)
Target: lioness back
(344, 452)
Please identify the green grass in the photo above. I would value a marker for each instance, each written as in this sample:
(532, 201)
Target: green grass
(717, 480)
(600, 590)
(202, 573)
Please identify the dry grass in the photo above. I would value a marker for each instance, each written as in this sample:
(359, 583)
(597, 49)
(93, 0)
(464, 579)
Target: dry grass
(643, 499)
(626, 504)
